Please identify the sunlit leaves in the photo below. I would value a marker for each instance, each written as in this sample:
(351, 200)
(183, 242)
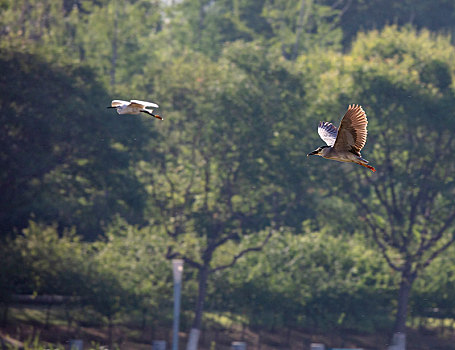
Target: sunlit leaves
(309, 280)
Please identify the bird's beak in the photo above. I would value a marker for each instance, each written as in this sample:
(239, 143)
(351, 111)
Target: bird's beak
(312, 153)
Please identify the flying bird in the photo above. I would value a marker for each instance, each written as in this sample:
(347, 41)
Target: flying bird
(344, 144)
(134, 107)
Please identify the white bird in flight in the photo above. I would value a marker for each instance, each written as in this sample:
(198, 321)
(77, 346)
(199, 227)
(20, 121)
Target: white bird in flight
(134, 107)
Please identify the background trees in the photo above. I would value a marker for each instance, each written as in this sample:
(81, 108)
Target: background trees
(242, 86)
(65, 158)
(303, 281)
(411, 105)
(213, 184)
(418, 183)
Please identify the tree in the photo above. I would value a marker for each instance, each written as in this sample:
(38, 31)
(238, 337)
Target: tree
(300, 26)
(118, 39)
(437, 16)
(288, 26)
(433, 292)
(42, 262)
(12, 279)
(137, 258)
(311, 280)
(404, 81)
(65, 159)
(211, 188)
(104, 293)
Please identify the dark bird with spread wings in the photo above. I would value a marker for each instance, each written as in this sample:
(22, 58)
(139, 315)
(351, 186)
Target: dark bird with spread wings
(345, 143)
(135, 107)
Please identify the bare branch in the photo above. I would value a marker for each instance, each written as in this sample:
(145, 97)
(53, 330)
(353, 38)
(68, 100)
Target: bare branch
(188, 188)
(161, 207)
(374, 229)
(438, 235)
(383, 248)
(345, 8)
(243, 252)
(224, 240)
(384, 202)
(437, 252)
(206, 182)
(336, 3)
(367, 213)
(174, 255)
(341, 13)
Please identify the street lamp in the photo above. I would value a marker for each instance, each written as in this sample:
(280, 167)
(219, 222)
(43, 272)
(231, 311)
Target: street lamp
(177, 271)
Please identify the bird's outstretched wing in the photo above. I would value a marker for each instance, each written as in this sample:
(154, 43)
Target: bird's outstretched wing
(144, 104)
(116, 103)
(327, 132)
(352, 133)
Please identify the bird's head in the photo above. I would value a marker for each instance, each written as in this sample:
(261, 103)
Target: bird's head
(318, 151)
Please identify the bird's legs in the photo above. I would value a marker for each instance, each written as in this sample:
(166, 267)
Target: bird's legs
(368, 166)
(150, 113)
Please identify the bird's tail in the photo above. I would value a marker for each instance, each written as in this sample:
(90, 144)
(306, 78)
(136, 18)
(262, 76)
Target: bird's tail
(368, 166)
(150, 113)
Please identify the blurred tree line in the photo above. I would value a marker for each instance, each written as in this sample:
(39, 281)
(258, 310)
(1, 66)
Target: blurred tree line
(241, 85)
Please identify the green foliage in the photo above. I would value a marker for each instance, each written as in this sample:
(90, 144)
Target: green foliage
(209, 173)
(13, 277)
(408, 95)
(124, 274)
(33, 343)
(242, 85)
(433, 293)
(53, 264)
(135, 260)
(316, 22)
(315, 280)
(436, 16)
(207, 26)
(115, 40)
(79, 174)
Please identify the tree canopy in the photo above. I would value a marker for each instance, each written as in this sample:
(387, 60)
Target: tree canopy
(223, 182)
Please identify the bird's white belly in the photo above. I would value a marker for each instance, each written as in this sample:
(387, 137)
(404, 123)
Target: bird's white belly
(128, 110)
(343, 157)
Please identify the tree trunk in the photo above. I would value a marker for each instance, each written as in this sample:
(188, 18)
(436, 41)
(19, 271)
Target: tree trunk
(197, 322)
(200, 21)
(48, 316)
(288, 337)
(243, 330)
(144, 321)
(259, 339)
(69, 318)
(110, 333)
(5, 314)
(403, 300)
(299, 30)
(114, 47)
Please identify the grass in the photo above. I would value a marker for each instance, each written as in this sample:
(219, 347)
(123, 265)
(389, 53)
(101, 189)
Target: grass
(26, 327)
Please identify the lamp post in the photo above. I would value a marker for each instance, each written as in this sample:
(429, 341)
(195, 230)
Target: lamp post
(177, 271)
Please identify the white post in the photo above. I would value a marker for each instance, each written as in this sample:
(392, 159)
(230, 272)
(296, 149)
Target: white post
(193, 339)
(76, 344)
(398, 342)
(238, 345)
(159, 345)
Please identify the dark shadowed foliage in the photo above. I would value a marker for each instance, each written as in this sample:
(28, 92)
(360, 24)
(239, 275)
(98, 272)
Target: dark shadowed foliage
(63, 157)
